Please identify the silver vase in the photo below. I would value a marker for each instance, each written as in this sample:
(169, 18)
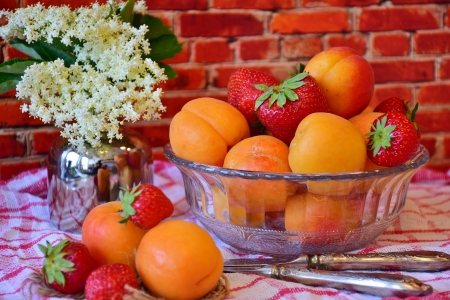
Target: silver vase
(77, 182)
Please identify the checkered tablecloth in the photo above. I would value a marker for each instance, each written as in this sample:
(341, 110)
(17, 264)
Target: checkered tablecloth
(424, 224)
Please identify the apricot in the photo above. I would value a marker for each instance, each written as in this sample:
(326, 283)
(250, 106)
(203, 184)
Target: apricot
(308, 212)
(327, 143)
(205, 129)
(364, 122)
(252, 198)
(179, 260)
(108, 240)
(346, 78)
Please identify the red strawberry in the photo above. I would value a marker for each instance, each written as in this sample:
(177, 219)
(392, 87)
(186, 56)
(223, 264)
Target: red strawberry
(393, 140)
(295, 98)
(109, 281)
(392, 104)
(242, 94)
(145, 205)
(67, 265)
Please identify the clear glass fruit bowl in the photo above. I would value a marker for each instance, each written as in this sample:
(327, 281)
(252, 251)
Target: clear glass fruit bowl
(282, 214)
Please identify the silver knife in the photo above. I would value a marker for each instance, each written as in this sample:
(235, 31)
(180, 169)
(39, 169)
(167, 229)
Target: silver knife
(424, 261)
(380, 284)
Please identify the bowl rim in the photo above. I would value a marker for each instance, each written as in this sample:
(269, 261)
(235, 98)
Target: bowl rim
(417, 161)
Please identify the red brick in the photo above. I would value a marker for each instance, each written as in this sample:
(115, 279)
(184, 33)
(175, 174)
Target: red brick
(212, 50)
(391, 44)
(259, 48)
(10, 168)
(433, 121)
(189, 78)
(209, 24)
(9, 94)
(10, 146)
(174, 101)
(383, 92)
(314, 3)
(294, 47)
(9, 53)
(444, 68)
(71, 3)
(221, 74)
(355, 41)
(155, 132)
(435, 93)
(432, 42)
(446, 143)
(254, 4)
(332, 20)
(177, 4)
(181, 57)
(399, 18)
(11, 115)
(447, 18)
(397, 2)
(43, 139)
(403, 70)
(9, 4)
(429, 142)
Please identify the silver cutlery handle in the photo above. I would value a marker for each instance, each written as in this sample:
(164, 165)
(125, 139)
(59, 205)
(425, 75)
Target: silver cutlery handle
(428, 261)
(380, 284)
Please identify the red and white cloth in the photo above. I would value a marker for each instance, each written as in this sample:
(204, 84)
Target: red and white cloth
(424, 224)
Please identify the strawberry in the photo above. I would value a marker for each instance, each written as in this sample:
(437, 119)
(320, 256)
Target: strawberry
(393, 140)
(67, 265)
(242, 94)
(145, 205)
(295, 98)
(109, 281)
(394, 104)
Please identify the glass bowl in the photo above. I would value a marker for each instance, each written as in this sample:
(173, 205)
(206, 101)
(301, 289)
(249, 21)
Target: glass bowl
(284, 214)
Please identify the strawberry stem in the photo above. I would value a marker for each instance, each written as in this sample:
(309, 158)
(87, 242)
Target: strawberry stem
(55, 263)
(280, 93)
(127, 198)
(380, 137)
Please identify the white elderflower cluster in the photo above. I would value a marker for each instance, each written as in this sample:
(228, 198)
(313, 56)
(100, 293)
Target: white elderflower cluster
(108, 84)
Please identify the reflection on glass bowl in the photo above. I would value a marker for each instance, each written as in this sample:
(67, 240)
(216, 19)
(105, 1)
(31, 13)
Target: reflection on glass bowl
(292, 213)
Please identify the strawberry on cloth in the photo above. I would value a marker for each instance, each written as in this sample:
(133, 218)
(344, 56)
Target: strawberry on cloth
(145, 205)
(67, 266)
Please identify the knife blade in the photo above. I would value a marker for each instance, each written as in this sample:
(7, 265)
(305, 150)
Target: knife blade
(380, 284)
(415, 261)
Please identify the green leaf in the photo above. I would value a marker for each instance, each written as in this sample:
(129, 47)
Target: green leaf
(291, 95)
(9, 81)
(294, 85)
(281, 100)
(126, 14)
(17, 65)
(165, 46)
(168, 70)
(32, 49)
(156, 27)
(298, 77)
(54, 52)
(260, 86)
(263, 97)
(273, 99)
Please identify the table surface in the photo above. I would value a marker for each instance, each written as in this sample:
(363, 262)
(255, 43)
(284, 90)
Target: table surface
(424, 224)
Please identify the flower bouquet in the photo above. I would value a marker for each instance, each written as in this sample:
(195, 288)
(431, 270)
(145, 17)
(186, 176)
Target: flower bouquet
(88, 71)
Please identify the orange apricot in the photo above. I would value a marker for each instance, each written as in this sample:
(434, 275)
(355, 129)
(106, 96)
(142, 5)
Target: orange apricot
(108, 240)
(205, 129)
(179, 260)
(250, 199)
(346, 78)
(364, 122)
(327, 143)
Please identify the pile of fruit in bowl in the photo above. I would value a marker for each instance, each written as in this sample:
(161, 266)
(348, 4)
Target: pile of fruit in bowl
(298, 166)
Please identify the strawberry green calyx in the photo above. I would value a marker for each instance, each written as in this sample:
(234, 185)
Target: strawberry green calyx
(127, 198)
(55, 263)
(381, 135)
(280, 93)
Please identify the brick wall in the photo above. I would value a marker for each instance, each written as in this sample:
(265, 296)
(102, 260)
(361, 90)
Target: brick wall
(407, 43)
